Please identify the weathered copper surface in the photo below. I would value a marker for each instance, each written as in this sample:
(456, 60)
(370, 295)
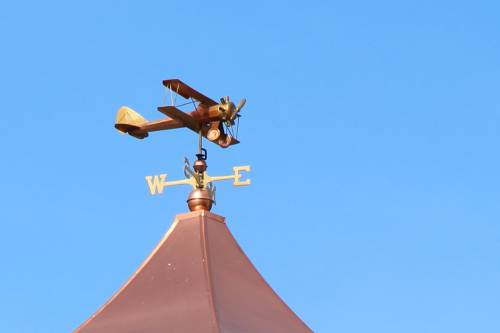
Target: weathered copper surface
(197, 279)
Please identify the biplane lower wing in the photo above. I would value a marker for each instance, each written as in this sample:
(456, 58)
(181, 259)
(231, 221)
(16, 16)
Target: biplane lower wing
(186, 91)
(182, 117)
(162, 124)
(192, 123)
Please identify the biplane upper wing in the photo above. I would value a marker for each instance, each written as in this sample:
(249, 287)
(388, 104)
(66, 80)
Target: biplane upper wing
(186, 91)
(181, 117)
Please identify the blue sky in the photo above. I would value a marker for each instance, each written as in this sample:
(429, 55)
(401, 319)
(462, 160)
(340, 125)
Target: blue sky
(372, 129)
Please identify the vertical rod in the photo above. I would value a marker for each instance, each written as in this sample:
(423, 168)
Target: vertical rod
(200, 141)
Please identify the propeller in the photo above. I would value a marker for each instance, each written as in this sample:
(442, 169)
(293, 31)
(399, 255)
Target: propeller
(235, 114)
(229, 112)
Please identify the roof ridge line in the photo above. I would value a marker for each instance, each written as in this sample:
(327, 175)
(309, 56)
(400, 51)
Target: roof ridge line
(207, 271)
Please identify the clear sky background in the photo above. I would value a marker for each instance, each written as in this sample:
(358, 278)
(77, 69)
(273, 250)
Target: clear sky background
(372, 129)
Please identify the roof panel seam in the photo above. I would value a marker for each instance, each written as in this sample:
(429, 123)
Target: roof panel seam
(206, 269)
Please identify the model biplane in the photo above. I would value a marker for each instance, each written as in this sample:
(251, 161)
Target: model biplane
(212, 120)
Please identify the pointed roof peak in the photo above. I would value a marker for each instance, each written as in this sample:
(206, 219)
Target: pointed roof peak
(197, 279)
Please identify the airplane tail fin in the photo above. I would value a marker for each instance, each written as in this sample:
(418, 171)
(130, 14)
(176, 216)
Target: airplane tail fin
(128, 120)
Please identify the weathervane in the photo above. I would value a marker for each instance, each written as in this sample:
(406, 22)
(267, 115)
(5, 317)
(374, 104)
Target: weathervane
(210, 120)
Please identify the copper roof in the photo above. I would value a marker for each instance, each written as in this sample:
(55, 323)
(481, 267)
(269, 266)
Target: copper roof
(197, 279)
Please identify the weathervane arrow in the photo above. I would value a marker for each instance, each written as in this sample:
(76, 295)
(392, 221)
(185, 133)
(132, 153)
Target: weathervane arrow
(157, 183)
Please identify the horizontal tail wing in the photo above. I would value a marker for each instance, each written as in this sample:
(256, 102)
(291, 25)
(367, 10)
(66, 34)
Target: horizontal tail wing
(129, 121)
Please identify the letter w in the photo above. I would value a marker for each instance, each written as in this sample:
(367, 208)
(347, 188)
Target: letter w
(156, 183)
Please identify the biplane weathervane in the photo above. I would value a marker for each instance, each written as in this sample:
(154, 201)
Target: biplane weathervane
(209, 119)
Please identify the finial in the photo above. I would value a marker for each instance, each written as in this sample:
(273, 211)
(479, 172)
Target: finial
(200, 199)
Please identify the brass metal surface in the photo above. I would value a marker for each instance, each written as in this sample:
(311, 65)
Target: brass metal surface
(215, 120)
(157, 183)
